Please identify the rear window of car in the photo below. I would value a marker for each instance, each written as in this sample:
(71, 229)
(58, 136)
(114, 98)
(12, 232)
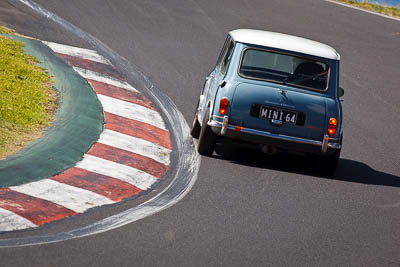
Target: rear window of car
(281, 68)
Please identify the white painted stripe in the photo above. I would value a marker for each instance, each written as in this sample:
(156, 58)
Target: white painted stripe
(133, 176)
(185, 177)
(362, 9)
(73, 198)
(131, 111)
(77, 52)
(135, 145)
(10, 221)
(88, 74)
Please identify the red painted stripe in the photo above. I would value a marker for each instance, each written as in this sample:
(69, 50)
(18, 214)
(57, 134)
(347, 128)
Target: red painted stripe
(120, 93)
(109, 187)
(138, 129)
(36, 210)
(129, 159)
(91, 65)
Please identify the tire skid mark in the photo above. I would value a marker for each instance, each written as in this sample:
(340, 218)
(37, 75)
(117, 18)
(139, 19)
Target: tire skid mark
(112, 188)
(78, 52)
(135, 145)
(131, 111)
(121, 94)
(131, 159)
(122, 172)
(128, 159)
(11, 221)
(109, 70)
(92, 75)
(36, 210)
(187, 165)
(138, 129)
(71, 197)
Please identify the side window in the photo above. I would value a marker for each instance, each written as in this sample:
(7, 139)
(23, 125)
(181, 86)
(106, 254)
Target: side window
(223, 52)
(225, 56)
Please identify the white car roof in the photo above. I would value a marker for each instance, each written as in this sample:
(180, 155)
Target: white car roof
(285, 42)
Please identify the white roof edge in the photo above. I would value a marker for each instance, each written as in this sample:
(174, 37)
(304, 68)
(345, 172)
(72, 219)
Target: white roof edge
(285, 42)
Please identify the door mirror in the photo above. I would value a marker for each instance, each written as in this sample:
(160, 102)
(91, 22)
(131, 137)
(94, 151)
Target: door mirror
(341, 91)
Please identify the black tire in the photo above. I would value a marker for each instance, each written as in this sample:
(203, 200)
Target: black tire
(195, 130)
(207, 138)
(328, 164)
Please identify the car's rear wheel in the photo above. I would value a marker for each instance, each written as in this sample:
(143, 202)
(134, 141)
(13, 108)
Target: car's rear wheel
(207, 138)
(195, 130)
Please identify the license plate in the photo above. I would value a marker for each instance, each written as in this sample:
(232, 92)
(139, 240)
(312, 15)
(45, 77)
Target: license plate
(285, 116)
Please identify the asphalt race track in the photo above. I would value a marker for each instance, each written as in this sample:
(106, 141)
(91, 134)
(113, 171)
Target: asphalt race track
(248, 209)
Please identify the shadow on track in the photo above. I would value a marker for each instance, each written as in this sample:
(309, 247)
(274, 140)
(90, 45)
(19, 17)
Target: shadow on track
(348, 170)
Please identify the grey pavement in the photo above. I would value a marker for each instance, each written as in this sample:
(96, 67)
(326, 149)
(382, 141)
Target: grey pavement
(250, 210)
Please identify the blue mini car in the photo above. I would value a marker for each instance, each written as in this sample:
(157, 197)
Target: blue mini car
(275, 90)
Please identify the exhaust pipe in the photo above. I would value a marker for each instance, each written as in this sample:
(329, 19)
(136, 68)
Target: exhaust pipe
(270, 150)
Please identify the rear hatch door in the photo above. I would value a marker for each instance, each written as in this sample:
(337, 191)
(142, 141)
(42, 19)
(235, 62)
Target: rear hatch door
(280, 110)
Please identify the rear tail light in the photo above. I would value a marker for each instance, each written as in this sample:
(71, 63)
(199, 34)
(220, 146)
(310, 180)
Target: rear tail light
(223, 105)
(332, 126)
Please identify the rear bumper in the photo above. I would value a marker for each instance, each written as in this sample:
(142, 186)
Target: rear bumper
(327, 146)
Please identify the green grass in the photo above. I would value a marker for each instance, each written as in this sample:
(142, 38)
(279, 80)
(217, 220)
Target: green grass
(390, 11)
(27, 99)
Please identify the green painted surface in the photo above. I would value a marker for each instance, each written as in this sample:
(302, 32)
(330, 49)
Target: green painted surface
(78, 123)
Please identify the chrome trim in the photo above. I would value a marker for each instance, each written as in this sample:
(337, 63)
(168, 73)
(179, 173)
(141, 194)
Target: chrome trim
(334, 145)
(214, 123)
(325, 141)
(277, 122)
(224, 125)
(216, 117)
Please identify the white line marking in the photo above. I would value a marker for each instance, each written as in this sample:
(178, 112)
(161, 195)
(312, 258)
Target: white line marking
(362, 9)
(73, 198)
(77, 52)
(10, 221)
(124, 173)
(135, 145)
(181, 184)
(88, 74)
(131, 111)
